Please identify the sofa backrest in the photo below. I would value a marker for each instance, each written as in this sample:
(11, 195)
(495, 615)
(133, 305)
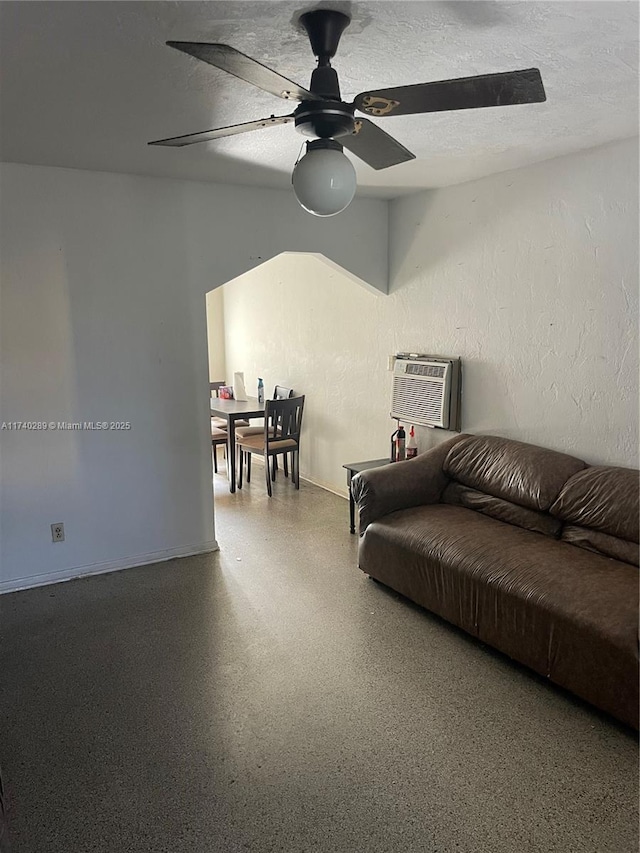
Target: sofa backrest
(540, 522)
(600, 509)
(593, 507)
(522, 474)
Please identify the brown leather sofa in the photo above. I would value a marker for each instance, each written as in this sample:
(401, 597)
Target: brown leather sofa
(532, 551)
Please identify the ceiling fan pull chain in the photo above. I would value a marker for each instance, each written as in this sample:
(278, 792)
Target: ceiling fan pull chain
(298, 157)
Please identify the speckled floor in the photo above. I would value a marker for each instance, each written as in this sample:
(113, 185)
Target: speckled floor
(272, 698)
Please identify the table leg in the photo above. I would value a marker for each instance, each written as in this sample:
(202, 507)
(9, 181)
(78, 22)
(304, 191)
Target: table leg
(232, 453)
(352, 505)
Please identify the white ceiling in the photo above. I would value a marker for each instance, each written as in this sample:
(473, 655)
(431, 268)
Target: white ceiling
(87, 84)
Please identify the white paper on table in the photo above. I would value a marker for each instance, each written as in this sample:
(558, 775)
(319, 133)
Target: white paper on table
(238, 386)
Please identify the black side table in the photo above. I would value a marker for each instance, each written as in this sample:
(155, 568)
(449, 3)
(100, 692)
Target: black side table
(355, 468)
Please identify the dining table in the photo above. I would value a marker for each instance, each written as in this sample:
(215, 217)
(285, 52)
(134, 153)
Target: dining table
(232, 411)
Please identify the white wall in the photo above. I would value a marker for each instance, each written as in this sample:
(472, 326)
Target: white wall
(103, 319)
(531, 276)
(215, 335)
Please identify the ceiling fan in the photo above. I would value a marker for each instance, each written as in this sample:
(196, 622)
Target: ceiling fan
(324, 179)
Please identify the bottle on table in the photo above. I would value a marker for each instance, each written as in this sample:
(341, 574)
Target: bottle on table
(400, 444)
(412, 444)
(260, 391)
(394, 449)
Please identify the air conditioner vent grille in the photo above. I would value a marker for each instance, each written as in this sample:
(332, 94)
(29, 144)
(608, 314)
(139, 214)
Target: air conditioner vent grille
(437, 370)
(418, 402)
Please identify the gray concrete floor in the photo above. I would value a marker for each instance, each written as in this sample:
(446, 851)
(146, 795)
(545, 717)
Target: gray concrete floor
(272, 698)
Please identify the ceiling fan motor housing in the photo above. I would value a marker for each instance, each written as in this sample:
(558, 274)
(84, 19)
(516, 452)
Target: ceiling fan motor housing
(329, 116)
(324, 119)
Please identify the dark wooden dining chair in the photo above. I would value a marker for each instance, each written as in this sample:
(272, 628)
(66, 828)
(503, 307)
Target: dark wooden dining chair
(281, 435)
(219, 434)
(218, 427)
(280, 392)
(219, 438)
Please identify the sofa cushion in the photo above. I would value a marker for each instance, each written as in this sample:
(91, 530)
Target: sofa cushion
(601, 543)
(524, 474)
(569, 614)
(540, 522)
(603, 498)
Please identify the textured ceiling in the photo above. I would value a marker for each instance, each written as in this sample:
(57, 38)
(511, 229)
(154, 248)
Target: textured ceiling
(87, 84)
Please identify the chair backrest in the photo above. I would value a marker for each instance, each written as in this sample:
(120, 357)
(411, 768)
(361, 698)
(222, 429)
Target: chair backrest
(282, 393)
(215, 387)
(283, 419)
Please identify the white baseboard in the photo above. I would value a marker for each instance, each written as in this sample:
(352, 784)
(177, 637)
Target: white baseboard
(341, 493)
(111, 566)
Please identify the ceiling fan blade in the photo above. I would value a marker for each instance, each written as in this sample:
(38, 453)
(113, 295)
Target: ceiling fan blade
(219, 132)
(233, 62)
(463, 93)
(373, 145)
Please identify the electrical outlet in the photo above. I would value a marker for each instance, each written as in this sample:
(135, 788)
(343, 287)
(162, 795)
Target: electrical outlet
(57, 532)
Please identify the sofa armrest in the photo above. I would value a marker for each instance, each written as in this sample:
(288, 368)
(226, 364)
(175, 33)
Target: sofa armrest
(404, 484)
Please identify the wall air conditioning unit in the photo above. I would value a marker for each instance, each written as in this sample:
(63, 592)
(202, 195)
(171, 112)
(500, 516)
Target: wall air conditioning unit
(426, 391)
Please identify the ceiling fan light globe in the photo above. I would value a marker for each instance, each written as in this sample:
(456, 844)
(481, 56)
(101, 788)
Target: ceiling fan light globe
(324, 181)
